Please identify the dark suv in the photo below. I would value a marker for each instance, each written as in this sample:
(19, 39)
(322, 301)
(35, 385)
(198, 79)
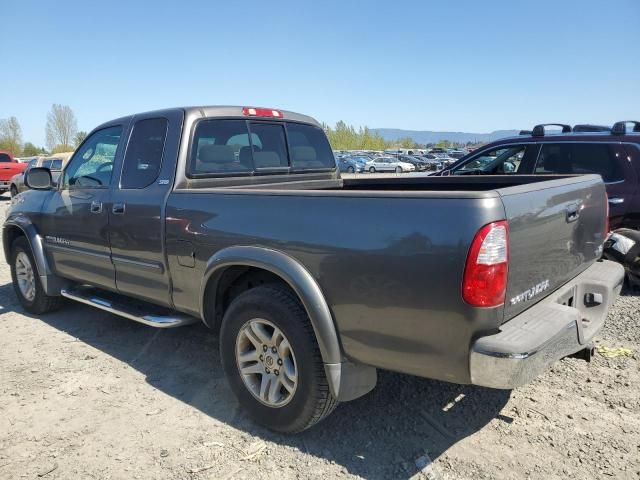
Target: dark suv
(614, 153)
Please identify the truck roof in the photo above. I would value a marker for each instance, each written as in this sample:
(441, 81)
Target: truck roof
(222, 111)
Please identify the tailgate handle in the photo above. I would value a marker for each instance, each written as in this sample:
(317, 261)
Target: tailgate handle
(573, 212)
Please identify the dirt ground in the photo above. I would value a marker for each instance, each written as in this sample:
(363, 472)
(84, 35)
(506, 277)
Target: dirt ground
(85, 394)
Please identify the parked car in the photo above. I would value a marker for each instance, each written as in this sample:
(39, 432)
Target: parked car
(613, 154)
(54, 163)
(9, 167)
(350, 165)
(417, 162)
(227, 216)
(433, 163)
(388, 164)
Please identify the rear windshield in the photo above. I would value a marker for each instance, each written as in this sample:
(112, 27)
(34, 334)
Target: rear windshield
(241, 147)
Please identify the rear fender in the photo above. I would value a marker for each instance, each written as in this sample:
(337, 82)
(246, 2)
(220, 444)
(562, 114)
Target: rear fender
(347, 380)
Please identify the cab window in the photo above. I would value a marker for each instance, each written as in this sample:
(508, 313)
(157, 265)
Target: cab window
(92, 165)
(143, 159)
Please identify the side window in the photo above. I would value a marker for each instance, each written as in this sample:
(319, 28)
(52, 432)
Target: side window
(580, 158)
(310, 148)
(221, 147)
(596, 158)
(92, 164)
(4, 158)
(502, 160)
(144, 153)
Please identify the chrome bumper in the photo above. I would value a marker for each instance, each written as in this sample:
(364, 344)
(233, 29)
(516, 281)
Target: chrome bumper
(563, 323)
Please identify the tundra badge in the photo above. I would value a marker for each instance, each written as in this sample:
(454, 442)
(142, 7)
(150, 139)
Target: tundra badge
(532, 292)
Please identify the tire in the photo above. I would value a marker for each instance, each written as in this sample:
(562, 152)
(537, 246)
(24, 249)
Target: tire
(13, 190)
(311, 400)
(398, 169)
(351, 170)
(372, 169)
(39, 302)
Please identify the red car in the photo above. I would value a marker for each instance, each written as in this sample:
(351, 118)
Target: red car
(9, 167)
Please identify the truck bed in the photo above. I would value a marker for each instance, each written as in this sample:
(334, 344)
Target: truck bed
(389, 254)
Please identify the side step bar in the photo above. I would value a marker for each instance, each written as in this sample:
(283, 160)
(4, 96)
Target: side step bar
(92, 297)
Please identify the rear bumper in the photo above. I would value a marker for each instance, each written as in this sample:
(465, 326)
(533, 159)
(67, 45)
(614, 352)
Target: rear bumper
(559, 325)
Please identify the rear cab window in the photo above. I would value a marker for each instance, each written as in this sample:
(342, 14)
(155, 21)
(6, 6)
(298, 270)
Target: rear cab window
(229, 147)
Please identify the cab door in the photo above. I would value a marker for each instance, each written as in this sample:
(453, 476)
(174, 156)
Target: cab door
(137, 213)
(75, 224)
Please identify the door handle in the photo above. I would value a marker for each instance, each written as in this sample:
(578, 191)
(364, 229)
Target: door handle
(118, 209)
(96, 207)
(616, 201)
(573, 213)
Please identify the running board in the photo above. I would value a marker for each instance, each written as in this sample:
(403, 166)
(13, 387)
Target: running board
(136, 311)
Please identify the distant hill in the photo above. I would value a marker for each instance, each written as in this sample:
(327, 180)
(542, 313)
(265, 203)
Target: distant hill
(425, 136)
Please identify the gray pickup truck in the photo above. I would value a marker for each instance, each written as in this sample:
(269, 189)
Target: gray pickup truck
(238, 217)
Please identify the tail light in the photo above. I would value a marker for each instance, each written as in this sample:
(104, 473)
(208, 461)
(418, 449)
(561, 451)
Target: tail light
(485, 274)
(261, 112)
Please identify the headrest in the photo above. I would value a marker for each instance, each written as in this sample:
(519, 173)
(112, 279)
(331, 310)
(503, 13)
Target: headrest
(266, 159)
(216, 154)
(304, 154)
(244, 155)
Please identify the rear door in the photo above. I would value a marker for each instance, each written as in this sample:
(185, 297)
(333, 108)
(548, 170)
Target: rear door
(556, 230)
(605, 159)
(136, 217)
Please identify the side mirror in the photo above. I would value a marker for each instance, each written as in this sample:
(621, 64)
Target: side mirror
(38, 178)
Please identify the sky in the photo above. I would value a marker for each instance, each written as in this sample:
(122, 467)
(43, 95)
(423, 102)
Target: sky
(455, 65)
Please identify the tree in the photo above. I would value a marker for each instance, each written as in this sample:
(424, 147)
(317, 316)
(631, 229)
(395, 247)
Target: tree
(79, 138)
(30, 150)
(61, 127)
(62, 149)
(10, 135)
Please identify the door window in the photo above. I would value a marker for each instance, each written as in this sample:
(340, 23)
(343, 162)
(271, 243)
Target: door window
(144, 153)
(580, 158)
(503, 160)
(92, 164)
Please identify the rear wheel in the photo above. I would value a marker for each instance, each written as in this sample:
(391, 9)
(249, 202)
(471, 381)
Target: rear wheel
(351, 170)
(272, 362)
(13, 190)
(372, 169)
(26, 282)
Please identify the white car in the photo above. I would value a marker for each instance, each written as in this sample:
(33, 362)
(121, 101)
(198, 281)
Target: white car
(388, 164)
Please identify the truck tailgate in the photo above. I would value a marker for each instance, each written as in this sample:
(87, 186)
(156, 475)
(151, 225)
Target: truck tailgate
(556, 230)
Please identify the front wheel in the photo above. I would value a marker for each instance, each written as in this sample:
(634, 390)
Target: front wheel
(372, 169)
(398, 169)
(26, 282)
(13, 190)
(351, 170)
(272, 361)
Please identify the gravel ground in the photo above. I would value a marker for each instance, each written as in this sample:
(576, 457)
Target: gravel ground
(85, 394)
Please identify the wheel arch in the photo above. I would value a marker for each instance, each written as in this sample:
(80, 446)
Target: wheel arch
(347, 380)
(23, 227)
(290, 272)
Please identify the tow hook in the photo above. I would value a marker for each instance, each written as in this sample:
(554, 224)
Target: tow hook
(586, 353)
